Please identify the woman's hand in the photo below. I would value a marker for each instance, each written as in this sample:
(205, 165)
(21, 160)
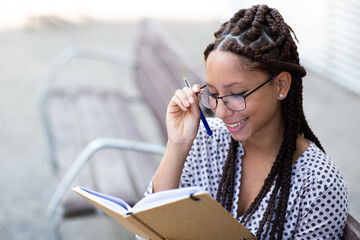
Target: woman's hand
(183, 115)
(182, 123)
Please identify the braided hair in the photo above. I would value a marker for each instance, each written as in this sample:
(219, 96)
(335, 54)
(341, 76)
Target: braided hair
(260, 35)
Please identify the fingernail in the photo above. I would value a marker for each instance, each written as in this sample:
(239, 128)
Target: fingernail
(187, 103)
(191, 99)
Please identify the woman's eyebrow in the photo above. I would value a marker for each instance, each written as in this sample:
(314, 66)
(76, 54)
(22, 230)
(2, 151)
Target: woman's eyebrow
(225, 86)
(231, 85)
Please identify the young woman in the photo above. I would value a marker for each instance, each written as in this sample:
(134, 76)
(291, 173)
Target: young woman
(262, 163)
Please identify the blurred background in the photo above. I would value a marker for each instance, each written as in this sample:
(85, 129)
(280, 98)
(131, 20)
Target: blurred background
(33, 33)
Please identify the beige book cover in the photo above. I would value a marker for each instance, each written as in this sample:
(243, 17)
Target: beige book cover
(179, 214)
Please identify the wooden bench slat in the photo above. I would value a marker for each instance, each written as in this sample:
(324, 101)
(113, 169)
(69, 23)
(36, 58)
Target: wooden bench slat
(171, 54)
(120, 117)
(141, 165)
(112, 175)
(107, 163)
(161, 66)
(157, 92)
(352, 229)
(63, 119)
(91, 115)
(68, 143)
(162, 82)
(156, 106)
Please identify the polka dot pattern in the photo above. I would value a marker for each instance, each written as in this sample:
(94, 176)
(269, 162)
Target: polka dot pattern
(318, 201)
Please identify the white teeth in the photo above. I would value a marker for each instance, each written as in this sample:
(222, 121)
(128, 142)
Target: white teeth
(236, 124)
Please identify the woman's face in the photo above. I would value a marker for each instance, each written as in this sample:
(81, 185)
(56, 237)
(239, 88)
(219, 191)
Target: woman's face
(262, 115)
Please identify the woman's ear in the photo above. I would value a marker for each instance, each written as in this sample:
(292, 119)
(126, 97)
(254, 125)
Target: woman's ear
(283, 83)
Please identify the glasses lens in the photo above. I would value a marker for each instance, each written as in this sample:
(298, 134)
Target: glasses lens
(235, 102)
(207, 100)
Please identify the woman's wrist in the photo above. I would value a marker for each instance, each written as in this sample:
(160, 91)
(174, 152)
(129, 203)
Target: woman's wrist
(169, 171)
(181, 147)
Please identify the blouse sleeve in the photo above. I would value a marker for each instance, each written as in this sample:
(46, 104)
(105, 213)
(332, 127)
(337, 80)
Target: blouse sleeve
(324, 208)
(196, 156)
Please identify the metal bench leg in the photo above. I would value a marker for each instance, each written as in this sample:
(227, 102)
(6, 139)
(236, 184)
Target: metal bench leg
(54, 233)
(83, 158)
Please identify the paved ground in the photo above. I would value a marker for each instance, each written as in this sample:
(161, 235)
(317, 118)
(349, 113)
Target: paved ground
(26, 179)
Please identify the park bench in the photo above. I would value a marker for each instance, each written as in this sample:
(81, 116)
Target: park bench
(79, 123)
(92, 124)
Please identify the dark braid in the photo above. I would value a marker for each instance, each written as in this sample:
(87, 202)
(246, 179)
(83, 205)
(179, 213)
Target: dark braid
(227, 183)
(263, 41)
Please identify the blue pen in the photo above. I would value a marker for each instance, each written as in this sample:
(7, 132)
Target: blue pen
(203, 119)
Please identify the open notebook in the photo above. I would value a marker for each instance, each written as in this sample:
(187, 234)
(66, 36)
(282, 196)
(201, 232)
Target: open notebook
(185, 213)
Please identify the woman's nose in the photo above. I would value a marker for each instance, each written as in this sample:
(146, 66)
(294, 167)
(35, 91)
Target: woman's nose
(221, 110)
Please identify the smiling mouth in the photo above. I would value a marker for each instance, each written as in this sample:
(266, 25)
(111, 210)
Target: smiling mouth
(236, 124)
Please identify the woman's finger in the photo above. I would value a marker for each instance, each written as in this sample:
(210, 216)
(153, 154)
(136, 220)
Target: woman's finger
(189, 94)
(196, 88)
(182, 96)
(177, 101)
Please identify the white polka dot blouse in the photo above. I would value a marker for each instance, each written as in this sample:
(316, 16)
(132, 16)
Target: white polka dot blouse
(318, 202)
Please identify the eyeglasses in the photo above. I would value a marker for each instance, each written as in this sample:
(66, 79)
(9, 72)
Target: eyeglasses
(235, 102)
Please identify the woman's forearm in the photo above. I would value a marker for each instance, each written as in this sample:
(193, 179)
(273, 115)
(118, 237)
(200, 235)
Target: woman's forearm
(169, 171)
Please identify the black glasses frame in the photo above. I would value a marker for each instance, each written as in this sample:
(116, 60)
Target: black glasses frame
(243, 96)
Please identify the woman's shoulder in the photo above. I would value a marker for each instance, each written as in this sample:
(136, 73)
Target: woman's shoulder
(318, 191)
(315, 166)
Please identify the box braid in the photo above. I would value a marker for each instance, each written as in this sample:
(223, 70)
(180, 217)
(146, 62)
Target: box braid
(263, 41)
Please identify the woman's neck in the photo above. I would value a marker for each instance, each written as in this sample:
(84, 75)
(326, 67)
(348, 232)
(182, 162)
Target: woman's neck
(265, 144)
